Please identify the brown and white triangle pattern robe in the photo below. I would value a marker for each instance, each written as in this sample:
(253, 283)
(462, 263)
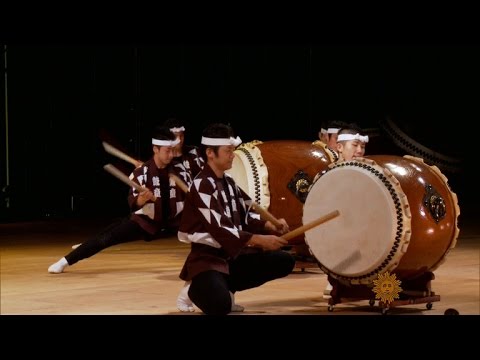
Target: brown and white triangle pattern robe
(170, 199)
(189, 164)
(218, 222)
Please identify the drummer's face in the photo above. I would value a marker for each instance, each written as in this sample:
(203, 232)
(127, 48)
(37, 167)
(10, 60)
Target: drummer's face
(332, 140)
(163, 155)
(351, 149)
(180, 136)
(226, 154)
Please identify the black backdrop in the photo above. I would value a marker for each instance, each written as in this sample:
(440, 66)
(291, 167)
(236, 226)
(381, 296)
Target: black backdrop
(62, 99)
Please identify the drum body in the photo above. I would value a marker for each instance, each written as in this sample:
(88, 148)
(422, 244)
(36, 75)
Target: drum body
(277, 174)
(397, 214)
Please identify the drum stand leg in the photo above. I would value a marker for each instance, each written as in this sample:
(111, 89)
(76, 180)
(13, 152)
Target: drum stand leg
(414, 291)
(342, 293)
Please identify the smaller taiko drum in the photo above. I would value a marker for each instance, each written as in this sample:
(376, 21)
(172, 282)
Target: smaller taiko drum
(277, 175)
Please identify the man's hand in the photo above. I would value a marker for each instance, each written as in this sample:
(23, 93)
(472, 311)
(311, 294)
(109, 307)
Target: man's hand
(144, 196)
(267, 242)
(281, 229)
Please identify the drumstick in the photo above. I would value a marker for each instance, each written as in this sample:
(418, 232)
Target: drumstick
(180, 183)
(266, 214)
(300, 230)
(122, 177)
(115, 152)
(263, 213)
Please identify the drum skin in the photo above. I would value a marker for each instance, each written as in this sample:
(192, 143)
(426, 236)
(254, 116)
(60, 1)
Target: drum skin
(265, 169)
(416, 222)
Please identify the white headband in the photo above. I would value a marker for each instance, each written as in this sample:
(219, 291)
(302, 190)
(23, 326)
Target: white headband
(165, 142)
(177, 129)
(332, 130)
(323, 131)
(221, 141)
(357, 136)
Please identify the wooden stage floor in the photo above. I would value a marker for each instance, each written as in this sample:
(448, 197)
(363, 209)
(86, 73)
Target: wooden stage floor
(142, 278)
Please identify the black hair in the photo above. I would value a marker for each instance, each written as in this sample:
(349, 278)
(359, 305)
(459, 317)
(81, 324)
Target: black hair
(351, 128)
(162, 133)
(174, 122)
(218, 131)
(337, 124)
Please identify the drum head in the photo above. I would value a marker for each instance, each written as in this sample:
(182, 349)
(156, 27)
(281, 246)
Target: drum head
(251, 173)
(372, 231)
(239, 173)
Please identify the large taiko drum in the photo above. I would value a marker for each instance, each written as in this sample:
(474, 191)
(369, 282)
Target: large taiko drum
(397, 214)
(277, 174)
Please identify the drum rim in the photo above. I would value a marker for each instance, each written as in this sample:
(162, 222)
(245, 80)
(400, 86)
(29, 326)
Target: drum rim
(332, 154)
(258, 171)
(403, 217)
